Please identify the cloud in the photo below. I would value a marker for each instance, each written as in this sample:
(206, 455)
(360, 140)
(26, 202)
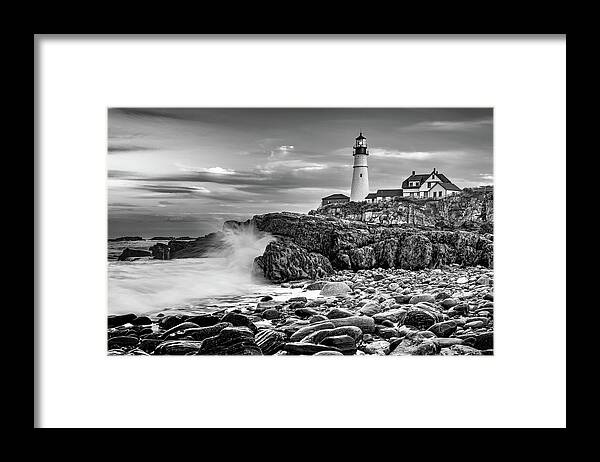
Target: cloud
(115, 148)
(177, 114)
(413, 155)
(487, 176)
(447, 125)
(215, 170)
(121, 174)
(281, 151)
(174, 189)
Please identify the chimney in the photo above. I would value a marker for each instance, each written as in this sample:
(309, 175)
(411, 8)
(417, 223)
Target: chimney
(413, 172)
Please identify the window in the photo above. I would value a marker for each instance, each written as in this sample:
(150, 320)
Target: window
(361, 175)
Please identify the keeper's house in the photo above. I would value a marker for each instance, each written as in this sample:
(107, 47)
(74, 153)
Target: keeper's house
(335, 199)
(434, 185)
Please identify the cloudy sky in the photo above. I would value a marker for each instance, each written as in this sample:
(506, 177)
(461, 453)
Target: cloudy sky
(182, 172)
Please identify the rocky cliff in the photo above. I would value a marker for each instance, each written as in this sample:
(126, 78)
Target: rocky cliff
(357, 245)
(406, 234)
(472, 209)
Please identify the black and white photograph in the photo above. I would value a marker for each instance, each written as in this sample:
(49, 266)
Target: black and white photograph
(300, 231)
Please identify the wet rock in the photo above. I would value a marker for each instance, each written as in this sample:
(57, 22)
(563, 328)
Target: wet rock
(483, 281)
(317, 318)
(205, 320)
(305, 312)
(370, 308)
(448, 342)
(428, 347)
(420, 319)
(460, 350)
(380, 347)
(149, 344)
(332, 289)
(170, 321)
(394, 315)
(365, 323)
(443, 329)
(200, 333)
(266, 298)
(337, 313)
(141, 321)
(449, 303)
(178, 347)
(179, 328)
(122, 341)
(484, 341)
(309, 329)
(239, 320)
(422, 298)
(319, 336)
(285, 261)
(120, 319)
(270, 341)
(231, 341)
(271, 313)
(344, 343)
(130, 253)
(402, 299)
(299, 348)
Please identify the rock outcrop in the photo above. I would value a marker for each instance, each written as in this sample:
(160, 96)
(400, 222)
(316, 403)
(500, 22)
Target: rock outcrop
(133, 253)
(472, 210)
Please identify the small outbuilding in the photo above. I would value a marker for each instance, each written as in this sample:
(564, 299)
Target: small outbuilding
(335, 199)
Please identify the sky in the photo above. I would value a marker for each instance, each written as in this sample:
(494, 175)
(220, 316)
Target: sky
(184, 171)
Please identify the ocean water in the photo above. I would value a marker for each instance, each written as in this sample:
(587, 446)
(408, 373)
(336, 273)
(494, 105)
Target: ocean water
(218, 281)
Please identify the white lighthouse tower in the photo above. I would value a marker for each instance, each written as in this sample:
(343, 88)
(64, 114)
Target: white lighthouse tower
(360, 174)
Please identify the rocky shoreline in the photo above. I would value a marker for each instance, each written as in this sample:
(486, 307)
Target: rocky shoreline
(447, 310)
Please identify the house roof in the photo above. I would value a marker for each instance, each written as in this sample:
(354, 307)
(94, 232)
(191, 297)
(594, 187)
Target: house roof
(336, 196)
(421, 177)
(389, 192)
(371, 196)
(449, 186)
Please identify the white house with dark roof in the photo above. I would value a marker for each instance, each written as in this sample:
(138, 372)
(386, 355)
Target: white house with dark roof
(428, 185)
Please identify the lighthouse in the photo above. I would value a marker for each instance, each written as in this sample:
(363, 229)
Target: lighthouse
(360, 173)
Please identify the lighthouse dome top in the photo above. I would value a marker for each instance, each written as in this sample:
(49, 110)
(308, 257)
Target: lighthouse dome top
(360, 137)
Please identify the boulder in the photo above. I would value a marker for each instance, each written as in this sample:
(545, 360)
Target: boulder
(420, 319)
(178, 347)
(344, 343)
(336, 313)
(231, 341)
(332, 289)
(285, 261)
(120, 319)
(370, 308)
(422, 298)
(270, 341)
(444, 328)
(309, 329)
(130, 253)
(393, 315)
(380, 347)
(365, 323)
(300, 348)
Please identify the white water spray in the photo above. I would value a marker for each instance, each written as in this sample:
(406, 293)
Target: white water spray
(146, 286)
